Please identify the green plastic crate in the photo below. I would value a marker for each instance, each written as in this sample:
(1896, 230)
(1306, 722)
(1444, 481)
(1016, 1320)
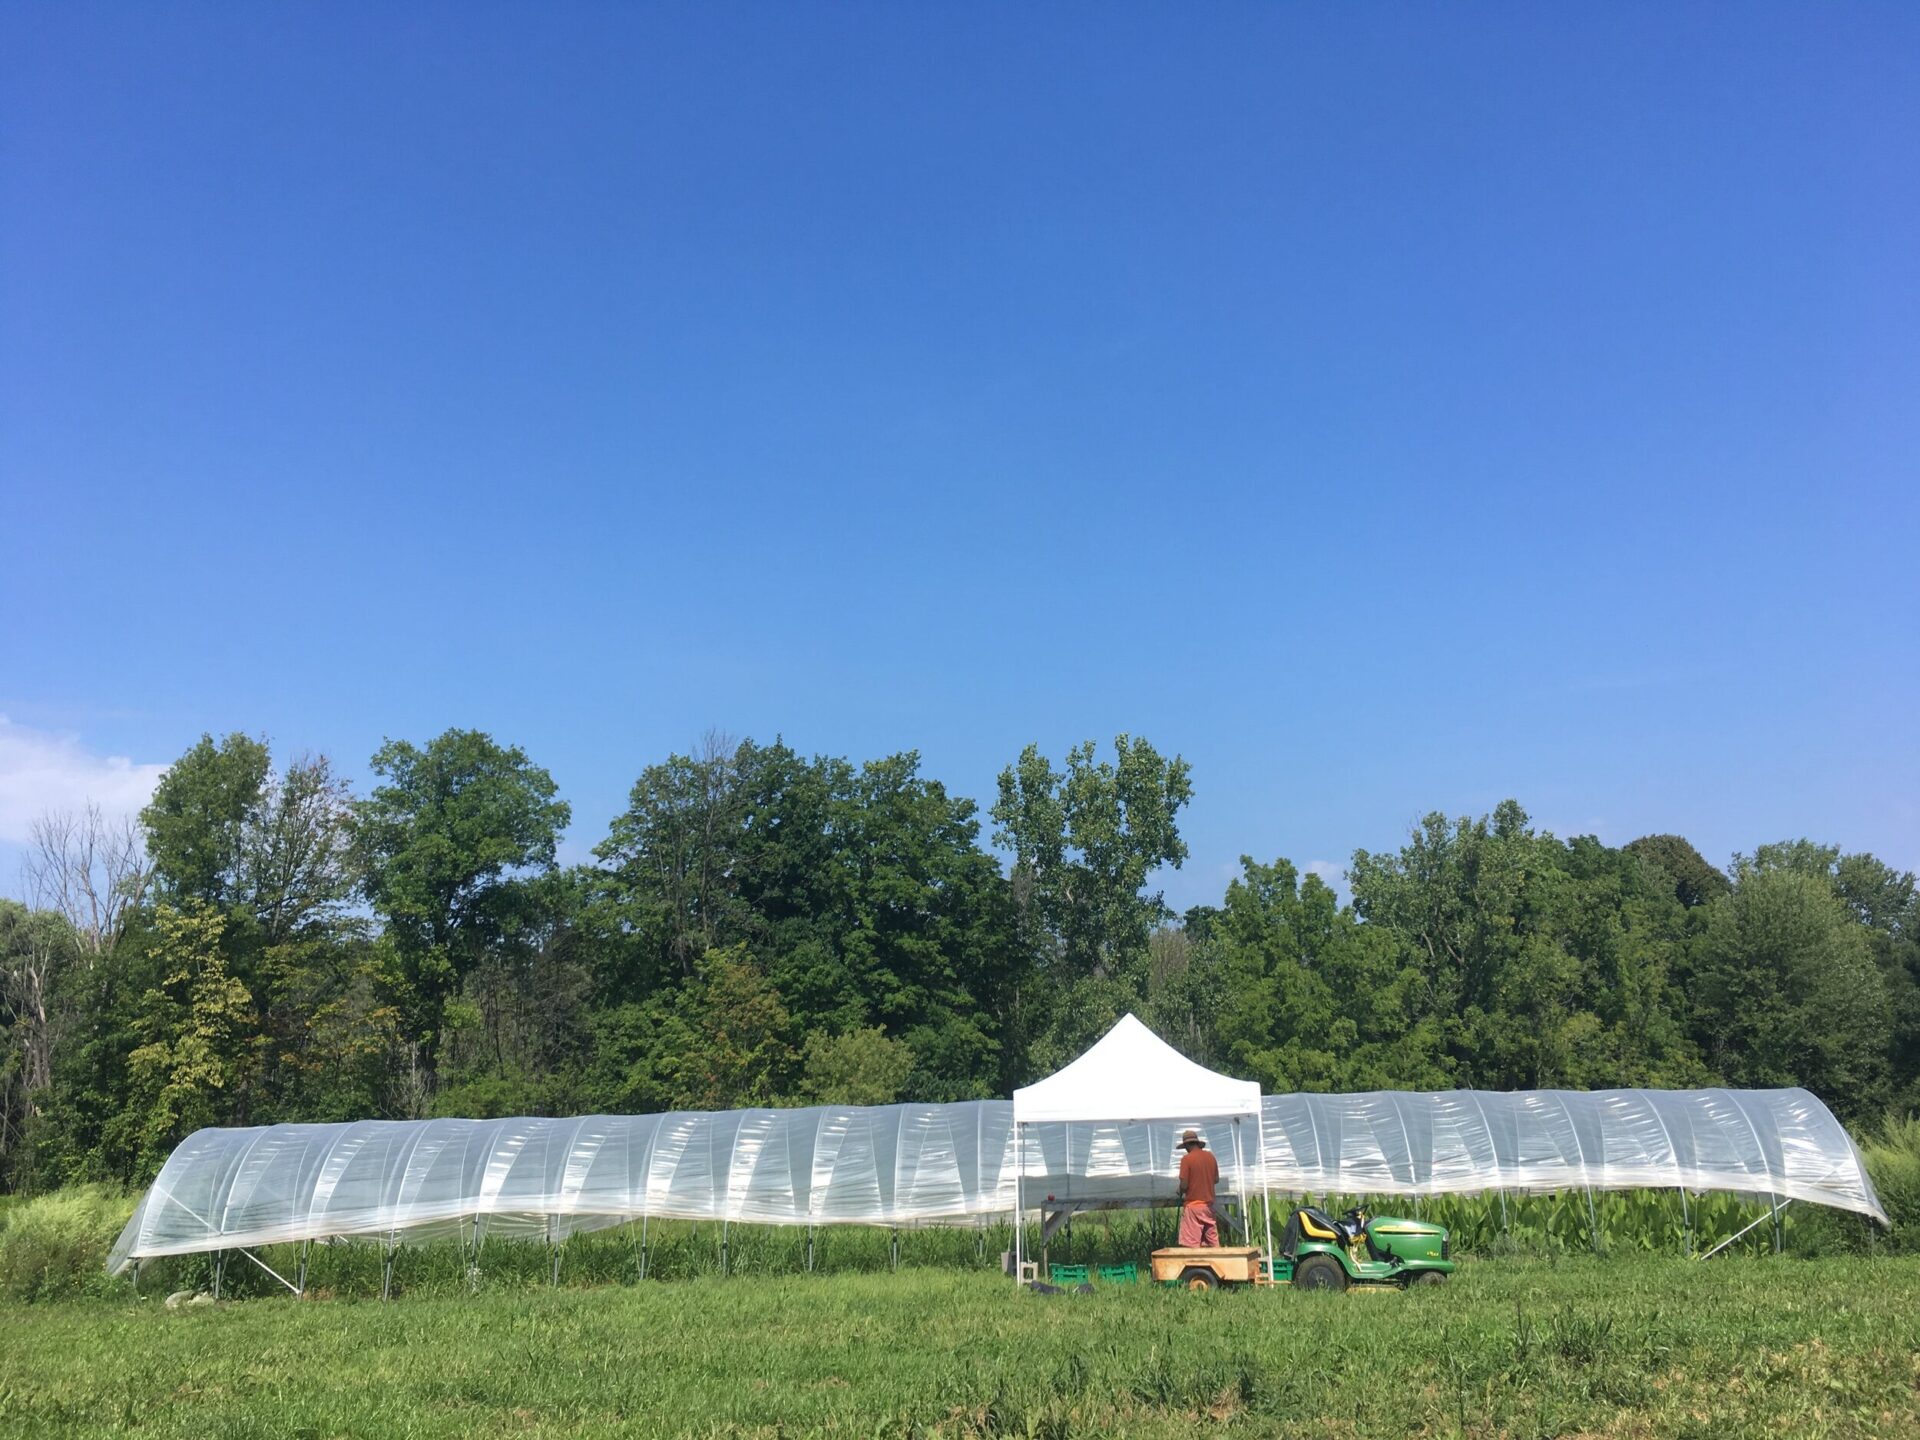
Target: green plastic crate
(1069, 1274)
(1127, 1274)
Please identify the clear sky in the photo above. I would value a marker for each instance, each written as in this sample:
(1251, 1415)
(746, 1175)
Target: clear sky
(1388, 408)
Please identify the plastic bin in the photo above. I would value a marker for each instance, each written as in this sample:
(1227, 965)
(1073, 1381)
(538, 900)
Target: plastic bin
(1068, 1274)
(1127, 1274)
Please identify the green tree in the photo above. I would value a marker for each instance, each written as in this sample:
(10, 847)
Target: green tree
(669, 887)
(859, 1067)
(198, 820)
(1315, 1000)
(1684, 870)
(449, 847)
(1785, 990)
(197, 1031)
(1085, 843)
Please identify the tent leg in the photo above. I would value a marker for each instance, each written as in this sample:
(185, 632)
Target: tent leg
(1266, 1194)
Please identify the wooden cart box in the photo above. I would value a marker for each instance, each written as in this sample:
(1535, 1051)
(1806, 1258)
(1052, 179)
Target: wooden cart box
(1235, 1264)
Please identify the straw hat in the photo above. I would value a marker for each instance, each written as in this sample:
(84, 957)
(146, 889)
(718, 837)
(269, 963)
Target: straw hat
(1191, 1139)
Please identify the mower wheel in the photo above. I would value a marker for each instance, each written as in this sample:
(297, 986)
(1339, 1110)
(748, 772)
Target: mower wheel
(1319, 1272)
(1426, 1277)
(1198, 1277)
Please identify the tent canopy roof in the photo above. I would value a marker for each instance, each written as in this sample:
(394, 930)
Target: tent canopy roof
(1132, 1074)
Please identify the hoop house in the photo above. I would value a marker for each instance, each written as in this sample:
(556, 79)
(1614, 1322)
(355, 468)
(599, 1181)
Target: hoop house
(969, 1163)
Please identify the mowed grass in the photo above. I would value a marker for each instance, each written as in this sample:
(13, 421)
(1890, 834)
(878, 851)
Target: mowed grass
(1640, 1346)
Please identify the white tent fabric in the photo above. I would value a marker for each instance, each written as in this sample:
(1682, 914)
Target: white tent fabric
(1130, 1073)
(957, 1164)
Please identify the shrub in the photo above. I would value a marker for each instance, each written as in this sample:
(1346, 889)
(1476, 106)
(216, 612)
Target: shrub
(1893, 1161)
(56, 1245)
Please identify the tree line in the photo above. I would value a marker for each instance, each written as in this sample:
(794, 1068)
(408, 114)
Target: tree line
(762, 927)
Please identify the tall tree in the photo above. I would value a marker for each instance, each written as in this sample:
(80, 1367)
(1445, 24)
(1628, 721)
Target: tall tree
(671, 859)
(449, 847)
(1085, 843)
(197, 1029)
(1785, 990)
(197, 822)
(1692, 879)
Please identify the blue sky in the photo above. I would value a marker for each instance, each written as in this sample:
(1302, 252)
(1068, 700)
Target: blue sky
(1389, 408)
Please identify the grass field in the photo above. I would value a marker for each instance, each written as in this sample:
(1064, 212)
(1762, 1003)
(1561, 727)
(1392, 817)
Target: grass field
(1638, 1346)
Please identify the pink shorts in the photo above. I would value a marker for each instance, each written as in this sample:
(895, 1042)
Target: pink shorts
(1199, 1225)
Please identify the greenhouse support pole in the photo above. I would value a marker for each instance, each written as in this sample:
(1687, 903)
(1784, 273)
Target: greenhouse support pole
(306, 1247)
(809, 1247)
(1686, 1224)
(1019, 1177)
(473, 1270)
(1750, 1225)
(386, 1270)
(893, 1245)
(136, 1279)
(1774, 1200)
(1503, 1212)
(643, 1244)
(219, 1271)
(1593, 1222)
(724, 1257)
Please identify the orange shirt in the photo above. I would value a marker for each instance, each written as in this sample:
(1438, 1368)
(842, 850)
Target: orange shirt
(1199, 1174)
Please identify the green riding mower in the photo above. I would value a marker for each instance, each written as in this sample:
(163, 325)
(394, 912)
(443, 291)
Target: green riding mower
(1318, 1252)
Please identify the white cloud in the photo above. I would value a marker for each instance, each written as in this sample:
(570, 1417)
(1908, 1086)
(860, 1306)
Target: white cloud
(1331, 871)
(42, 771)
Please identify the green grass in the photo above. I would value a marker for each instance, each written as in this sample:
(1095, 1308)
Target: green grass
(1633, 1346)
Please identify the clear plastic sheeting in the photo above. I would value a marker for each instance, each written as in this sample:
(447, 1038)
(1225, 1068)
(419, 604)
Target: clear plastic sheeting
(1385, 1142)
(956, 1164)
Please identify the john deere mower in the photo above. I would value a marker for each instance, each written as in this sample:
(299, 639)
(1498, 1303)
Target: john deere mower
(1319, 1252)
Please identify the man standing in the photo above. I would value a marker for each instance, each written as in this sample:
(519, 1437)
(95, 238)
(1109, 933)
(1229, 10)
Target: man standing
(1199, 1176)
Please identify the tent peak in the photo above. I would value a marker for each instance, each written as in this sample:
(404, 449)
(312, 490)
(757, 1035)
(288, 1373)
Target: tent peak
(1130, 1073)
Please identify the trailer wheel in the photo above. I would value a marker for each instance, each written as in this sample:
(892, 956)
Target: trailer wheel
(1319, 1272)
(1199, 1277)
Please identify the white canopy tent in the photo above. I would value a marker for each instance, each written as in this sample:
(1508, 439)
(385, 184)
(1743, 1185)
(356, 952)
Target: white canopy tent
(1131, 1075)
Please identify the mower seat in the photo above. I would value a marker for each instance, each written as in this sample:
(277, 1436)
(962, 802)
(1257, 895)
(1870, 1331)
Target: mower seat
(1311, 1223)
